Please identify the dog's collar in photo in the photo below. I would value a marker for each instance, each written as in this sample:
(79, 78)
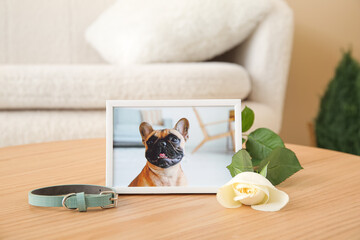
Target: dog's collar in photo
(76, 196)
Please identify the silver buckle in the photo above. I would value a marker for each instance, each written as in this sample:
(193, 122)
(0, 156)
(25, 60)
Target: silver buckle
(65, 198)
(114, 198)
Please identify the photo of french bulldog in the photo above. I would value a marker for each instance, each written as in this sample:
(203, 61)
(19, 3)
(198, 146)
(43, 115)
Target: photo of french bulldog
(172, 148)
(164, 150)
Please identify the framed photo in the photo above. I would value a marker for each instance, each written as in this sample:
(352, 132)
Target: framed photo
(171, 146)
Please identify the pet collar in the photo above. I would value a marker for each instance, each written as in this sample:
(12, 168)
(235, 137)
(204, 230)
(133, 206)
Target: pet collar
(77, 196)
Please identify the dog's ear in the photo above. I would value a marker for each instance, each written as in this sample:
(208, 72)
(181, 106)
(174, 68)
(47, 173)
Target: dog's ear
(182, 126)
(145, 129)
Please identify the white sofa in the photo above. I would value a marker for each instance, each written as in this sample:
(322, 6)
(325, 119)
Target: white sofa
(53, 85)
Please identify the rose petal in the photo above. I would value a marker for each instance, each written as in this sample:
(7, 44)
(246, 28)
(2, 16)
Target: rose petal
(266, 191)
(277, 200)
(225, 197)
(251, 178)
(260, 197)
(251, 199)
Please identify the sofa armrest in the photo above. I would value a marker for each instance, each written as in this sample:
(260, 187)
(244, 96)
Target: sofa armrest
(266, 56)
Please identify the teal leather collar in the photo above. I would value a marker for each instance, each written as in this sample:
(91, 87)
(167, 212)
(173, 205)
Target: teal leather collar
(76, 196)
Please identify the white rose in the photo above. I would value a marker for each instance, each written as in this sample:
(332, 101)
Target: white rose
(253, 189)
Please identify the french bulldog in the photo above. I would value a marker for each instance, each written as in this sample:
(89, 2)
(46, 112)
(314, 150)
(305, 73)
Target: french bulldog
(164, 149)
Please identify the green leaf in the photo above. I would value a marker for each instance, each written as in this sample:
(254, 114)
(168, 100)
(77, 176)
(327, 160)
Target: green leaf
(261, 143)
(256, 162)
(263, 171)
(247, 118)
(243, 140)
(241, 162)
(281, 164)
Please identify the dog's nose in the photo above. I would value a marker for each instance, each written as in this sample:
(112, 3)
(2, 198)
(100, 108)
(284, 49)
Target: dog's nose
(162, 144)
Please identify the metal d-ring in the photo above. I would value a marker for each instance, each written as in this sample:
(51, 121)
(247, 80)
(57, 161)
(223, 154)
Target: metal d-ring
(66, 197)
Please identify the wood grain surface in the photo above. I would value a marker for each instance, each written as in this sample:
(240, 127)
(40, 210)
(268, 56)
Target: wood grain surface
(324, 201)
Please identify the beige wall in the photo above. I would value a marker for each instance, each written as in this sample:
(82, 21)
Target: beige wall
(322, 29)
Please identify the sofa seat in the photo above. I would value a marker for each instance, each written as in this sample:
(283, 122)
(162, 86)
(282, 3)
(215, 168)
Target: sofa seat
(36, 126)
(88, 86)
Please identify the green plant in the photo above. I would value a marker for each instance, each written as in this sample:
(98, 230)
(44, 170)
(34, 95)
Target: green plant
(265, 153)
(337, 125)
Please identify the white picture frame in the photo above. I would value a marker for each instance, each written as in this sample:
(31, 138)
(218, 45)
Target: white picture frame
(112, 104)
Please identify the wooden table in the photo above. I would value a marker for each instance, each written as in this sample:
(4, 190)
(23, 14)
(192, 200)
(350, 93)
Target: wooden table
(324, 201)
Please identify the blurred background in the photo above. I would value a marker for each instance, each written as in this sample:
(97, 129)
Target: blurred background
(60, 60)
(324, 29)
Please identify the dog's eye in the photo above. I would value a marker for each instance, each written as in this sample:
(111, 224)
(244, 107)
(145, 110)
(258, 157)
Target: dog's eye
(174, 139)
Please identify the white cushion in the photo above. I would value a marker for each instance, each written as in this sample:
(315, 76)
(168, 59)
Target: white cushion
(143, 31)
(88, 86)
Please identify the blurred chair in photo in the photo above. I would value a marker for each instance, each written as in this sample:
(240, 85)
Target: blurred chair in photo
(208, 137)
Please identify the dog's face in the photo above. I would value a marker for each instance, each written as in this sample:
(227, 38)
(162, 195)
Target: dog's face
(165, 148)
